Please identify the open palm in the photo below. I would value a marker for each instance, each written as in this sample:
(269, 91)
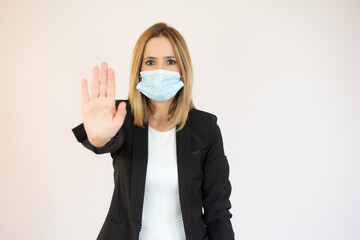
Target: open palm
(101, 119)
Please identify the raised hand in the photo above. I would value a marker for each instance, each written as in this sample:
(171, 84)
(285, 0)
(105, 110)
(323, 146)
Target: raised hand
(100, 118)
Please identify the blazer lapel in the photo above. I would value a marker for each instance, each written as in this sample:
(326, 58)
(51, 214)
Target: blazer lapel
(183, 148)
(138, 171)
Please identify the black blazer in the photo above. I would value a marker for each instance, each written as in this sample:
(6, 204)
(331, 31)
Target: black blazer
(203, 173)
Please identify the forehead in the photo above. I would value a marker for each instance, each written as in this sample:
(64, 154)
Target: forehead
(158, 46)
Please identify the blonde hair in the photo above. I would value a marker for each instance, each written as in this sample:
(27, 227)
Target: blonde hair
(182, 103)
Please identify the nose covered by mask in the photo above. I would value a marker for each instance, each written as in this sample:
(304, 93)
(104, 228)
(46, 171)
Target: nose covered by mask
(159, 85)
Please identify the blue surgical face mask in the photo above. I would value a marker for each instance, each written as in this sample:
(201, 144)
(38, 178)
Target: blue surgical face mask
(159, 85)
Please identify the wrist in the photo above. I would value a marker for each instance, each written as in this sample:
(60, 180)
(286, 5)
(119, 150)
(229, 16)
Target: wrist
(99, 142)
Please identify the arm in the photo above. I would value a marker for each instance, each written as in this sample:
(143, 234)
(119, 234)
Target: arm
(217, 188)
(112, 146)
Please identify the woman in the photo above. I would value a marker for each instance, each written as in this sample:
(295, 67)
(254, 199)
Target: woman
(170, 171)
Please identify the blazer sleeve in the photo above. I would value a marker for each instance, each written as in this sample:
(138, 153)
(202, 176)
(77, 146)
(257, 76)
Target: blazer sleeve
(112, 146)
(216, 188)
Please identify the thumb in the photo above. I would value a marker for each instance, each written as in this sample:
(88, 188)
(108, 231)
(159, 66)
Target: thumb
(120, 113)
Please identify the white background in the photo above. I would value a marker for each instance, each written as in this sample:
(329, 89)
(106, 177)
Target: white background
(283, 77)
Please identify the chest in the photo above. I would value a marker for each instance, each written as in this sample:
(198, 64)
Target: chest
(161, 173)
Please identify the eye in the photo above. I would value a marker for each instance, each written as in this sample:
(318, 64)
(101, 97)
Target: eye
(171, 62)
(150, 62)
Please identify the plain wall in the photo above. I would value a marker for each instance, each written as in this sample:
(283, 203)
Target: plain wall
(283, 77)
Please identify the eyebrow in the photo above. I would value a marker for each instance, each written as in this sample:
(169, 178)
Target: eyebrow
(167, 57)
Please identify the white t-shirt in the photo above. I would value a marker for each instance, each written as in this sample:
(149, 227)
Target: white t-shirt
(162, 218)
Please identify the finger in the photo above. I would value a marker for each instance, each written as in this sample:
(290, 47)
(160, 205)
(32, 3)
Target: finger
(121, 113)
(84, 92)
(95, 83)
(103, 79)
(110, 92)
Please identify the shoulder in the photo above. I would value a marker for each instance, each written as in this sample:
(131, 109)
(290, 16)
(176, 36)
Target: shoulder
(204, 129)
(202, 121)
(202, 116)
